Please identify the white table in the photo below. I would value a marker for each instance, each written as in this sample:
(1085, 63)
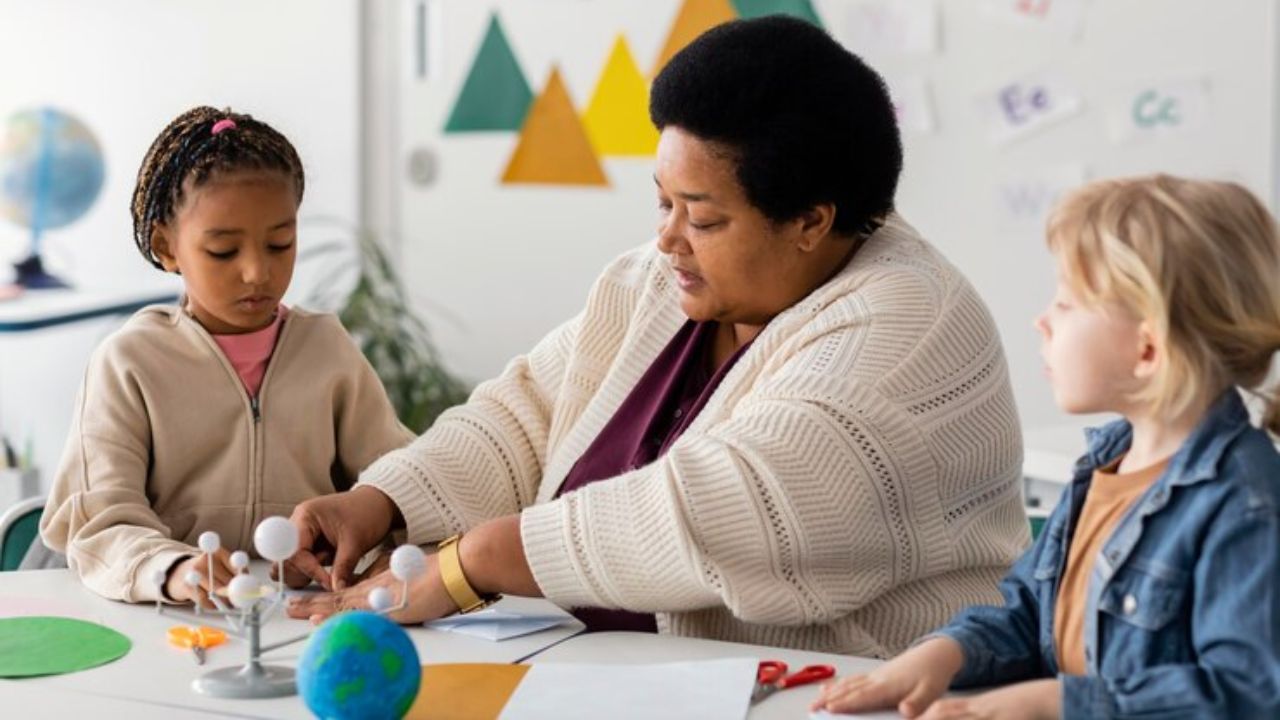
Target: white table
(159, 675)
(638, 648)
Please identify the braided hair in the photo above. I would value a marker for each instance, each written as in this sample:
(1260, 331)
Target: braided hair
(188, 148)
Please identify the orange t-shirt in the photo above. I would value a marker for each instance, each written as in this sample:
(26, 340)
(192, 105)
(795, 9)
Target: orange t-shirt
(1110, 495)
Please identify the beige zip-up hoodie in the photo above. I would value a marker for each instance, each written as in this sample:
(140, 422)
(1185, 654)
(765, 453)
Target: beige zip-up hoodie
(166, 443)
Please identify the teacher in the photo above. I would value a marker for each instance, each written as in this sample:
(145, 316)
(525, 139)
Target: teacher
(788, 421)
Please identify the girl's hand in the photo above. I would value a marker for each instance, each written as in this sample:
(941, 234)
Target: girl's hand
(428, 598)
(176, 587)
(1032, 700)
(909, 682)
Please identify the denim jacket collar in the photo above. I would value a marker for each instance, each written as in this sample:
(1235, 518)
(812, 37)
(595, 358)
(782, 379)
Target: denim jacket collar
(1198, 458)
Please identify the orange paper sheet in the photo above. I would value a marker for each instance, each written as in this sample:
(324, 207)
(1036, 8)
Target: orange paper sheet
(465, 691)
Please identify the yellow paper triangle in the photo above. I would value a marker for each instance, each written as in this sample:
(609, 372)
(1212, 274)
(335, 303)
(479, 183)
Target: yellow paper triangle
(465, 691)
(553, 146)
(617, 118)
(695, 17)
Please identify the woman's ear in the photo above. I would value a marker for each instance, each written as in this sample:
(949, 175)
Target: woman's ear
(162, 248)
(814, 225)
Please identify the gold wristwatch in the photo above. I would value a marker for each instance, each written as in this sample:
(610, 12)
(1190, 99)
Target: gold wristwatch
(455, 583)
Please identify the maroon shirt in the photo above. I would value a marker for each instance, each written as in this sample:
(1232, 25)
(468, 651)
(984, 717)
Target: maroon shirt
(666, 400)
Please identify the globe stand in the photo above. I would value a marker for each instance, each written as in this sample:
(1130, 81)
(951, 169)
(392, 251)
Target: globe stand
(253, 605)
(30, 274)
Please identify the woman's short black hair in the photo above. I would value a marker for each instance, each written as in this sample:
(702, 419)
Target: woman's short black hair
(806, 121)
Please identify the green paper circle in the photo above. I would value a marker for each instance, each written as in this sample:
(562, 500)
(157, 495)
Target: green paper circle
(31, 646)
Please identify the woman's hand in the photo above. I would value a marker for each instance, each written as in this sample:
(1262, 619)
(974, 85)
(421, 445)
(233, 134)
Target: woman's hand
(428, 599)
(343, 526)
(492, 559)
(176, 587)
(910, 682)
(1032, 700)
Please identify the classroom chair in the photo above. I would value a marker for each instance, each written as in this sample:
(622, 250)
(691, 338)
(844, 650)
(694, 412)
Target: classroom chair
(19, 527)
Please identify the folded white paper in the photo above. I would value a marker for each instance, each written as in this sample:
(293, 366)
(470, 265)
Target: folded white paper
(495, 624)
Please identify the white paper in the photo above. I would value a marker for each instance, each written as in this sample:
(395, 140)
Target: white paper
(1024, 201)
(892, 27)
(1159, 109)
(494, 624)
(1064, 16)
(1026, 105)
(704, 690)
(912, 106)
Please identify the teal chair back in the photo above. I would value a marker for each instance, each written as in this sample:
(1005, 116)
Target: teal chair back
(19, 527)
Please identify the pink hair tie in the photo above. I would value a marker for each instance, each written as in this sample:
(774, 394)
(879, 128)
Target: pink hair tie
(224, 124)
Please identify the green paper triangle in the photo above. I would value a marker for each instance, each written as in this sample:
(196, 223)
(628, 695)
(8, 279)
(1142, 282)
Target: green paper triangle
(496, 95)
(802, 9)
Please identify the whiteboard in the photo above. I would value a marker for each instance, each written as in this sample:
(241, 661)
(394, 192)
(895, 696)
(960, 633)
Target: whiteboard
(494, 267)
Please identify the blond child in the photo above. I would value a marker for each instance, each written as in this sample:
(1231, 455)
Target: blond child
(1154, 590)
(226, 408)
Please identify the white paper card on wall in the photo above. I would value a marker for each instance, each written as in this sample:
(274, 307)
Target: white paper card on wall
(1024, 200)
(891, 27)
(1064, 16)
(912, 104)
(1026, 105)
(1159, 109)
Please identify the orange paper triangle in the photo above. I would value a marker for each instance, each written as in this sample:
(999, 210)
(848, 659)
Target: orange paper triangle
(695, 17)
(617, 118)
(553, 146)
(465, 691)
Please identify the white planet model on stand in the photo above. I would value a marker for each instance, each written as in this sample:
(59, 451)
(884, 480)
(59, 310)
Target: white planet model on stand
(253, 603)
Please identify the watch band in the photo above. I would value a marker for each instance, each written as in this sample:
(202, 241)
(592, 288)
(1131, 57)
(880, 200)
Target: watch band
(455, 582)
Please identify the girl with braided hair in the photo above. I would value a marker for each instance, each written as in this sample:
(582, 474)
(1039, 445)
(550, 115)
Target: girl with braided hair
(226, 408)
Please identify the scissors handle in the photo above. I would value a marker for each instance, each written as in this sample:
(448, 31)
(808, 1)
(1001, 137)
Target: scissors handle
(770, 671)
(806, 675)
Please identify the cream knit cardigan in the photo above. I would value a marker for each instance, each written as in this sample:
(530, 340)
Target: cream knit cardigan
(852, 483)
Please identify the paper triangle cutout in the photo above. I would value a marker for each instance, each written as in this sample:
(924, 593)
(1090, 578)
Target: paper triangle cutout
(802, 9)
(496, 95)
(553, 146)
(695, 17)
(617, 118)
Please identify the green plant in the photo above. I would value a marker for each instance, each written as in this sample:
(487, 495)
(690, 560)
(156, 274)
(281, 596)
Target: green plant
(397, 343)
(343, 269)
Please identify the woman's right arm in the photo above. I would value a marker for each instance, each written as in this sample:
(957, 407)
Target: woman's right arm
(483, 459)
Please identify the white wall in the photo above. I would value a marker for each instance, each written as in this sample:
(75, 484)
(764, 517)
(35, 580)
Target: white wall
(495, 267)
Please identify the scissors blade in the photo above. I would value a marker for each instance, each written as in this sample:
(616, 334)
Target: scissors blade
(761, 692)
(198, 651)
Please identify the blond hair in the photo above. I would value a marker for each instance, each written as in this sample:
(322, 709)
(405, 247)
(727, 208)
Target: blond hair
(1198, 260)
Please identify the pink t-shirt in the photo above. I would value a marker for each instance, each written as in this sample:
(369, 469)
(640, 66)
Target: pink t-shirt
(250, 352)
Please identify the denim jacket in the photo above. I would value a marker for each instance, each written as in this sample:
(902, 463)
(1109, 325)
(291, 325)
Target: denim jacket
(1182, 614)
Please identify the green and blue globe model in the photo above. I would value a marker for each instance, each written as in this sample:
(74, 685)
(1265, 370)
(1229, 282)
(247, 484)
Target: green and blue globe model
(359, 665)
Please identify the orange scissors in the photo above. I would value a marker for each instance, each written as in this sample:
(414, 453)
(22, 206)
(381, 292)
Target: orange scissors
(198, 639)
(772, 677)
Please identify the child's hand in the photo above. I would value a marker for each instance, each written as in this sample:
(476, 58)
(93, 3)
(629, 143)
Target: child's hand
(1032, 700)
(909, 682)
(175, 585)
